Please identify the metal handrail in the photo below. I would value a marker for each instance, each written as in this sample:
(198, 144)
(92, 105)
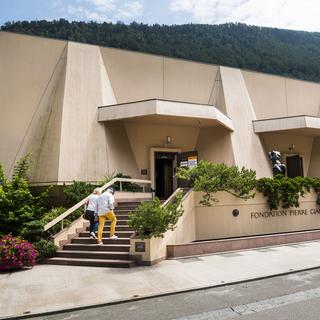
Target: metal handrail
(82, 202)
(174, 194)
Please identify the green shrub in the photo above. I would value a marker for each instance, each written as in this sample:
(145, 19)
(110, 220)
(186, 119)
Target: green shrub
(51, 215)
(77, 191)
(32, 231)
(211, 177)
(45, 249)
(150, 219)
(18, 206)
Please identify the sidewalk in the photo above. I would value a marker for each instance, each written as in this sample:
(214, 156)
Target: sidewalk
(48, 288)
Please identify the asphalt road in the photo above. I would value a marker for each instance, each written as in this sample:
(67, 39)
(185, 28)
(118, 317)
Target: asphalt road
(291, 297)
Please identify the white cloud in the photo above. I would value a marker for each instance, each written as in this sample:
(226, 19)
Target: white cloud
(106, 10)
(290, 14)
(130, 10)
(103, 5)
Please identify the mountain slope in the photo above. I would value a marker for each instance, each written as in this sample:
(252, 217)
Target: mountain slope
(283, 52)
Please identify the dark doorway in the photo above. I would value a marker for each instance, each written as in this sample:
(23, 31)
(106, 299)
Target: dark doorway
(164, 174)
(294, 166)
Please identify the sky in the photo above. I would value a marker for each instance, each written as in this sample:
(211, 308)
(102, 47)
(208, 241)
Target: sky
(286, 14)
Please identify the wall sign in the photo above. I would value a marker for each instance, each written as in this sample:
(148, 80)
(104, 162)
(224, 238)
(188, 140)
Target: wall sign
(192, 161)
(140, 247)
(284, 213)
(184, 164)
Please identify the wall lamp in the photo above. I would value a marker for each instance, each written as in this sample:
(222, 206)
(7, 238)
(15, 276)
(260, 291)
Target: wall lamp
(292, 147)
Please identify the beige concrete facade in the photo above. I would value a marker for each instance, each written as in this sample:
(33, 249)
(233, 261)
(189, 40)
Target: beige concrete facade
(51, 91)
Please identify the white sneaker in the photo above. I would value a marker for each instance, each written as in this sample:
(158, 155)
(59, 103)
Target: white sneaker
(93, 235)
(100, 243)
(114, 237)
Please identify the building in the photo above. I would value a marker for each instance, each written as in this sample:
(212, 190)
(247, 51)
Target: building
(85, 111)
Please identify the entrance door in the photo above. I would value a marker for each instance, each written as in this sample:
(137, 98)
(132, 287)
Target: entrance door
(164, 174)
(294, 166)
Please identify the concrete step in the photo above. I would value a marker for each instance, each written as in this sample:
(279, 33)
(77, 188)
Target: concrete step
(95, 247)
(118, 228)
(121, 217)
(91, 262)
(119, 222)
(93, 254)
(124, 210)
(85, 240)
(128, 204)
(106, 234)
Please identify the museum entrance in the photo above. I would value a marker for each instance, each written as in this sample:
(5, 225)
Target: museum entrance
(164, 174)
(165, 164)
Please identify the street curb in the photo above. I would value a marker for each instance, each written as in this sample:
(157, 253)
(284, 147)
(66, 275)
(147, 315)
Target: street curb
(99, 305)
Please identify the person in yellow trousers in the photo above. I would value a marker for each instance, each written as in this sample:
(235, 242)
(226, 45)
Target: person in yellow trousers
(105, 211)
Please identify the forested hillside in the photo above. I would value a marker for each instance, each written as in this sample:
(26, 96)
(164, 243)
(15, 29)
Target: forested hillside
(284, 52)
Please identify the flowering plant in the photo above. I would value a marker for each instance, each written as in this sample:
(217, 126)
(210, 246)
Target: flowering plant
(16, 253)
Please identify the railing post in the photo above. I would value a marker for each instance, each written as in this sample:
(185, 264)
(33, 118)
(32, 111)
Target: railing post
(120, 186)
(143, 188)
(62, 224)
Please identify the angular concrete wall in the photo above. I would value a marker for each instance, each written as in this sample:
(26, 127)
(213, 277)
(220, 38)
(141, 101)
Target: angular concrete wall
(27, 65)
(214, 144)
(43, 138)
(85, 144)
(134, 76)
(247, 147)
(274, 96)
(82, 143)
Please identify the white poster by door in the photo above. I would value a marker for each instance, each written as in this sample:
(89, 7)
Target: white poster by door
(192, 161)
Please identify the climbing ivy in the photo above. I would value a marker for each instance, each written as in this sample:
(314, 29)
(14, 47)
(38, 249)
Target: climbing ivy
(285, 192)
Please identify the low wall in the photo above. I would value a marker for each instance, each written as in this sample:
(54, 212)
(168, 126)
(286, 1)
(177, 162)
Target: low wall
(156, 248)
(255, 217)
(64, 236)
(218, 222)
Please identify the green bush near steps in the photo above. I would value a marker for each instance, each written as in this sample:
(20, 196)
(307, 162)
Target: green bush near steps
(151, 219)
(45, 249)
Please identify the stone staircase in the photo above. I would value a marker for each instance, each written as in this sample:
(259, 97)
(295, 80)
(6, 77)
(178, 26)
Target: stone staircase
(83, 251)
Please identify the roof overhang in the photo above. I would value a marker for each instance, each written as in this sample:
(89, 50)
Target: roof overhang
(158, 111)
(302, 125)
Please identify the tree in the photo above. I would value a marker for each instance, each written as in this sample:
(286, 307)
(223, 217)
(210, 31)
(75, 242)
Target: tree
(20, 211)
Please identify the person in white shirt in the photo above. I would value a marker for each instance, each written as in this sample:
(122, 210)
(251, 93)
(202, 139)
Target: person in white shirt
(91, 206)
(105, 211)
